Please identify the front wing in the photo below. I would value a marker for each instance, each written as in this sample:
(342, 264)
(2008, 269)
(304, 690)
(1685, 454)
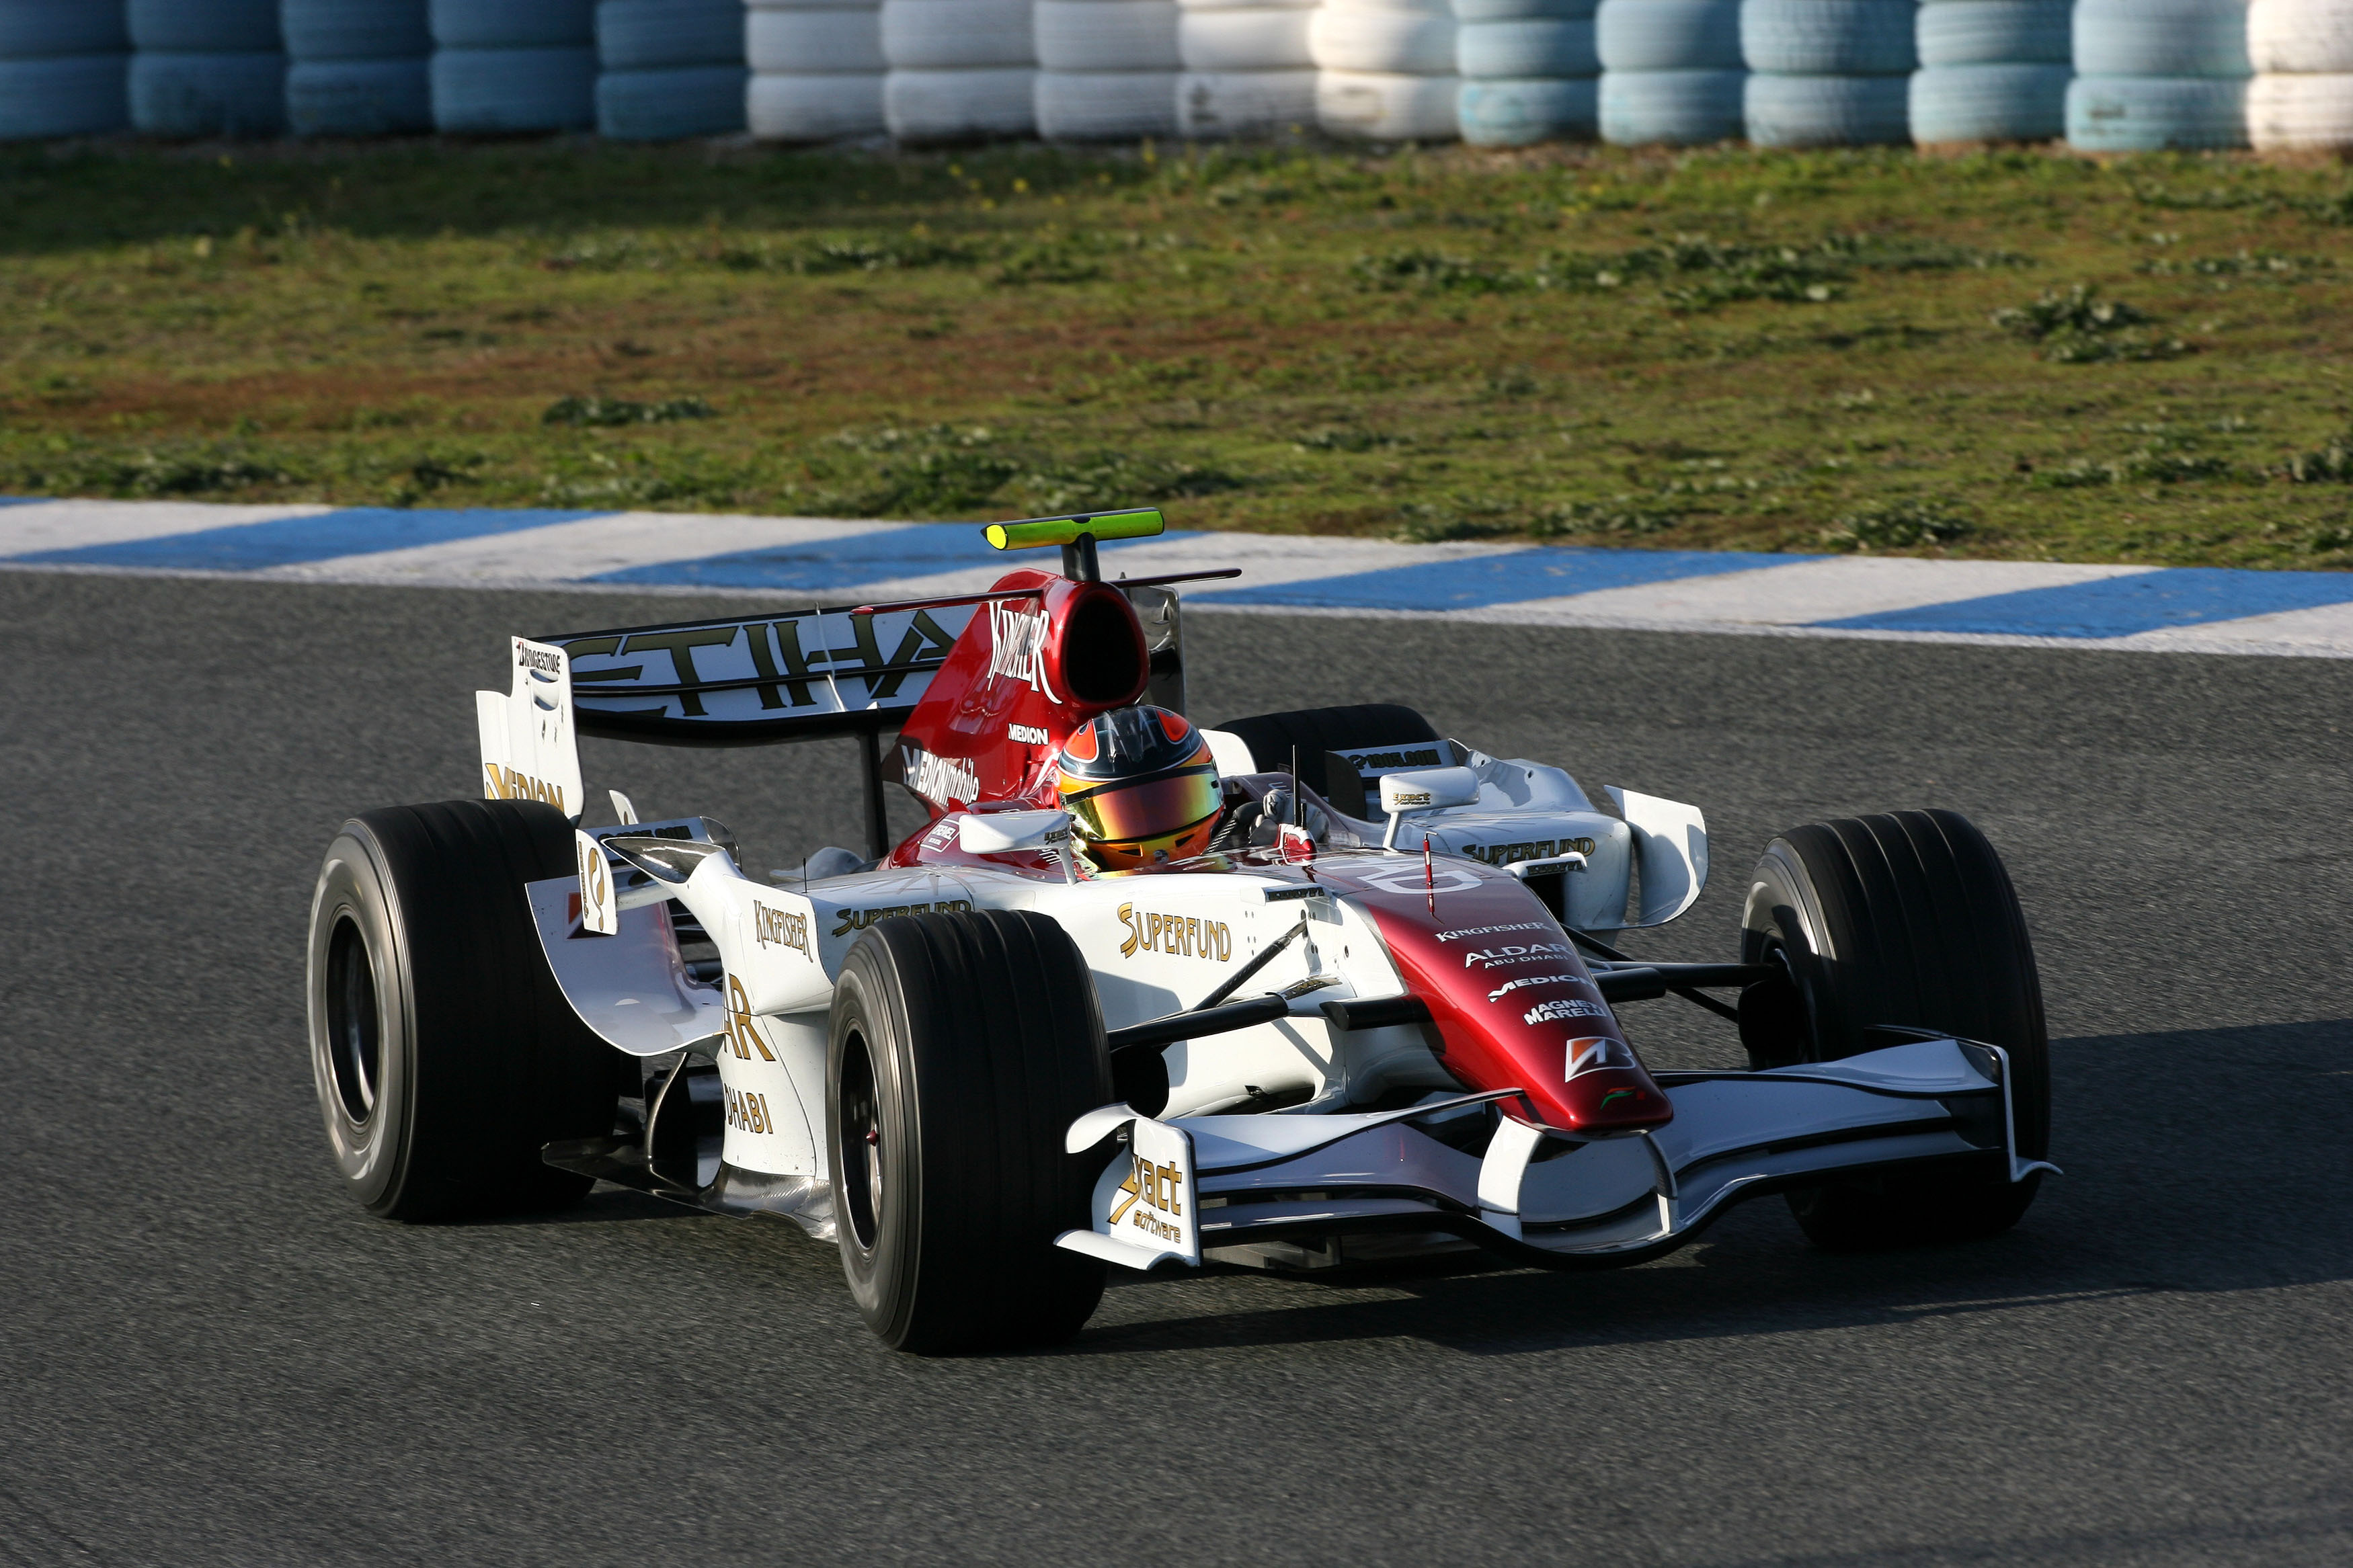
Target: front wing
(1197, 1181)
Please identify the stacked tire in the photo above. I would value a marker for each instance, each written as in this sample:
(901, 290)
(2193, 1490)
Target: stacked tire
(960, 70)
(2159, 74)
(1106, 68)
(2302, 95)
(64, 64)
(206, 68)
(502, 67)
(668, 68)
(1530, 71)
(357, 68)
(1247, 68)
(1385, 69)
(1828, 73)
(1672, 72)
(817, 70)
(1992, 70)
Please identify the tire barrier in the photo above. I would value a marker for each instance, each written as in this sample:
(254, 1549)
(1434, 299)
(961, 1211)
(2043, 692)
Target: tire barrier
(357, 68)
(2302, 94)
(960, 70)
(206, 68)
(1828, 73)
(1384, 105)
(1530, 70)
(670, 68)
(502, 66)
(2159, 74)
(64, 69)
(1672, 72)
(1992, 70)
(1377, 60)
(1213, 105)
(1247, 68)
(817, 70)
(1106, 68)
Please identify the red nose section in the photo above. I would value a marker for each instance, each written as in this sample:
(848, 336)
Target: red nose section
(1515, 1004)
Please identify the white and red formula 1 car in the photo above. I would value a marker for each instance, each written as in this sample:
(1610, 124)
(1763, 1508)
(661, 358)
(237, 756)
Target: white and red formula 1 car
(1377, 1021)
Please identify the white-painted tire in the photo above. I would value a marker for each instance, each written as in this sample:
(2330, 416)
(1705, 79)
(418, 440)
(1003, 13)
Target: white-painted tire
(1375, 106)
(2154, 114)
(190, 96)
(1089, 36)
(1668, 36)
(2306, 36)
(2161, 39)
(1516, 113)
(1996, 32)
(1827, 111)
(2310, 112)
(359, 98)
(960, 105)
(1670, 108)
(809, 42)
(208, 26)
(1957, 104)
(1525, 51)
(955, 35)
(1216, 105)
(1383, 39)
(1829, 37)
(1258, 39)
(833, 107)
(671, 104)
(1105, 106)
(337, 29)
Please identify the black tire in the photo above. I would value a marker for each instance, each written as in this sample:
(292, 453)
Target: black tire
(1315, 731)
(1906, 920)
(444, 1053)
(963, 1046)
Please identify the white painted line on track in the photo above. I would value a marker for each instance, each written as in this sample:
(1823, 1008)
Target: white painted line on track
(563, 552)
(76, 524)
(1794, 595)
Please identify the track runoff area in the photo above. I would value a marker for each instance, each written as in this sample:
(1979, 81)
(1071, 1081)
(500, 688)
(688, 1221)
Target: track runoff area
(214, 1357)
(2194, 609)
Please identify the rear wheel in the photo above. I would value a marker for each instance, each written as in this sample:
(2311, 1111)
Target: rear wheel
(963, 1046)
(444, 1054)
(1906, 919)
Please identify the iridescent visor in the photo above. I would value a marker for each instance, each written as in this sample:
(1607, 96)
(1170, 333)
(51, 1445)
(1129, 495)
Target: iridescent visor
(1117, 813)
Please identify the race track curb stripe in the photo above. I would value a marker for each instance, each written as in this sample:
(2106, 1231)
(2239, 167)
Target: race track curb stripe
(2183, 609)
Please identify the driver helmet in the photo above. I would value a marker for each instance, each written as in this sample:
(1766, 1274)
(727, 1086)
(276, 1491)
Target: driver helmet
(1141, 788)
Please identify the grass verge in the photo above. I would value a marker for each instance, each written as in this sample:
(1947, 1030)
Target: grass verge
(2012, 355)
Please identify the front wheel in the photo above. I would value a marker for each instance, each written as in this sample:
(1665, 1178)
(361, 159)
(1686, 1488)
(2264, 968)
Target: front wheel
(1906, 919)
(961, 1048)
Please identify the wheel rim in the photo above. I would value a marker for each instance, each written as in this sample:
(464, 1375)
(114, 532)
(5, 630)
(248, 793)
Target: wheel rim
(354, 1027)
(860, 1158)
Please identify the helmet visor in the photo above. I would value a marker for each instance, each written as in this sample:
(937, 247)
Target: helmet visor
(1119, 812)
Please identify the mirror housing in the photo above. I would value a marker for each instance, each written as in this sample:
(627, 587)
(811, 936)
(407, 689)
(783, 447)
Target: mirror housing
(1428, 789)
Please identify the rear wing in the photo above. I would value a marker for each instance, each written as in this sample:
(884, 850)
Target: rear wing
(853, 670)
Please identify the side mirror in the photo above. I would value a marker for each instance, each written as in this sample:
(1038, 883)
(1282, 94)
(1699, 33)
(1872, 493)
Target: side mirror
(1001, 832)
(1428, 789)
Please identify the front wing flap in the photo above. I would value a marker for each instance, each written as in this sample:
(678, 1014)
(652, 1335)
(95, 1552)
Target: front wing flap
(1539, 1194)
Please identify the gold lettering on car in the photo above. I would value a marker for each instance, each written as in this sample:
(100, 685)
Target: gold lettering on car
(506, 783)
(1183, 936)
(859, 920)
(781, 928)
(743, 1036)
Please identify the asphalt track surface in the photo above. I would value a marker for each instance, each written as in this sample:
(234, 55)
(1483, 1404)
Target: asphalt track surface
(207, 1355)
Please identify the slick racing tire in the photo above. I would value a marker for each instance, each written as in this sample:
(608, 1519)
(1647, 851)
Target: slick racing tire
(1906, 920)
(444, 1054)
(963, 1046)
